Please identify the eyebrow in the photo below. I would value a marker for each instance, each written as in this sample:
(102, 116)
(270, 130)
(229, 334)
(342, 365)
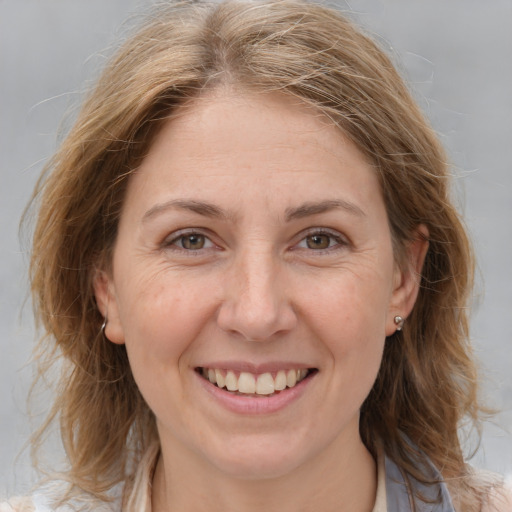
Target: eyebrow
(308, 209)
(199, 207)
(210, 210)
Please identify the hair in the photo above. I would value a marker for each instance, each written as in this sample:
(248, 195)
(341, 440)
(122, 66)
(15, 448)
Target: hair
(427, 383)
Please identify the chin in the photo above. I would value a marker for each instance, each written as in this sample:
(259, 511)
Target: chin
(258, 460)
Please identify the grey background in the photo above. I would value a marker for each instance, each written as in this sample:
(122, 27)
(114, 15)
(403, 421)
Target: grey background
(456, 53)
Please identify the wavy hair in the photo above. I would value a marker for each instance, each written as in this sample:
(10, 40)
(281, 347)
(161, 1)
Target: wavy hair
(427, 382)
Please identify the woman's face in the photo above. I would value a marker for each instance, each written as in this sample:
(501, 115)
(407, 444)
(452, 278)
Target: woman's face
(254, 249)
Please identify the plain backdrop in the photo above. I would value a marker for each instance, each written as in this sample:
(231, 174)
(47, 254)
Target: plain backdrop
(455, 53)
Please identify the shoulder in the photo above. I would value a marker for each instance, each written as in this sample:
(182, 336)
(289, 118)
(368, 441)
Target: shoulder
(35, 503)
(17, 504)
(55, 495)
(48, 501)
(499, 498)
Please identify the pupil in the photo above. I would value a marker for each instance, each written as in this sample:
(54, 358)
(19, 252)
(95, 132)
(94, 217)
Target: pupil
(318, 242)
(193, 242)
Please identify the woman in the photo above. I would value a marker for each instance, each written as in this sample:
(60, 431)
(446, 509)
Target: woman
(246, 255)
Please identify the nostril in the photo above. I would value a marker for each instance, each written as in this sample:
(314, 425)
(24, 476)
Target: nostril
(256, 312)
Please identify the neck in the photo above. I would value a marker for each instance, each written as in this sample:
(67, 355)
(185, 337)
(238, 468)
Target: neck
(342, 479)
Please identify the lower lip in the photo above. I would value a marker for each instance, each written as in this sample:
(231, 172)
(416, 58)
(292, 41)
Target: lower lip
(256, 405)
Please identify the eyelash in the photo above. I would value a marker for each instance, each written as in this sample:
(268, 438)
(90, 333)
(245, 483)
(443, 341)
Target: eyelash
(339, 241)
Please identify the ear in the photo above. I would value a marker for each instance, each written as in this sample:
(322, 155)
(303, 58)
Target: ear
(407, 279)
(104, 292)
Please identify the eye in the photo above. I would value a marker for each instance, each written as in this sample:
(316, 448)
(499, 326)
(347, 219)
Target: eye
(318, 241)
(191, 241)
(321, 241)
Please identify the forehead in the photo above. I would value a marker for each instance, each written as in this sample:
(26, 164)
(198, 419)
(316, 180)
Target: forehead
(227, 145)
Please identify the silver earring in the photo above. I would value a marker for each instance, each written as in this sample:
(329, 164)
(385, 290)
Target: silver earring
(103, 325)
(399, 322)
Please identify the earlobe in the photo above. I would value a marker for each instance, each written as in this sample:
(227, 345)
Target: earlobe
(408, 280)
(106, 301)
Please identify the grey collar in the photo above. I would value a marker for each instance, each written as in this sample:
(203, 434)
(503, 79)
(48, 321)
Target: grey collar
(402, 492)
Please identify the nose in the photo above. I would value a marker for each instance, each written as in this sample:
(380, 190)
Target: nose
(256, 305)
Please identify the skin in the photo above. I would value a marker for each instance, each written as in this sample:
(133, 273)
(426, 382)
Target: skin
(261, 289)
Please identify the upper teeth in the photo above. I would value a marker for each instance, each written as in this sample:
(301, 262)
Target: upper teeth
(262, 384)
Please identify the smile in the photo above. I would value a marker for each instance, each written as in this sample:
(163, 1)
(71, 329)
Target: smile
(248, 384)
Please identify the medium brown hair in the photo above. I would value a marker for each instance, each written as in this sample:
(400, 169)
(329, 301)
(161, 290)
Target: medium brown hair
(427, 382)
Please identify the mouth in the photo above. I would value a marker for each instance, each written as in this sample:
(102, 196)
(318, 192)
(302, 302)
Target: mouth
(248, 384)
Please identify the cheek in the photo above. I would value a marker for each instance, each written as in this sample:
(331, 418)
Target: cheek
(161, 320)
(349, 307)
(350, 321)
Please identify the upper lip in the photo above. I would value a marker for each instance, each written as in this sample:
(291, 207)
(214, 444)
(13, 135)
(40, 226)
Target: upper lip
(255, 368)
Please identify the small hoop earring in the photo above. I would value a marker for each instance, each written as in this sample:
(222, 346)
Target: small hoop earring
(399, 322)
